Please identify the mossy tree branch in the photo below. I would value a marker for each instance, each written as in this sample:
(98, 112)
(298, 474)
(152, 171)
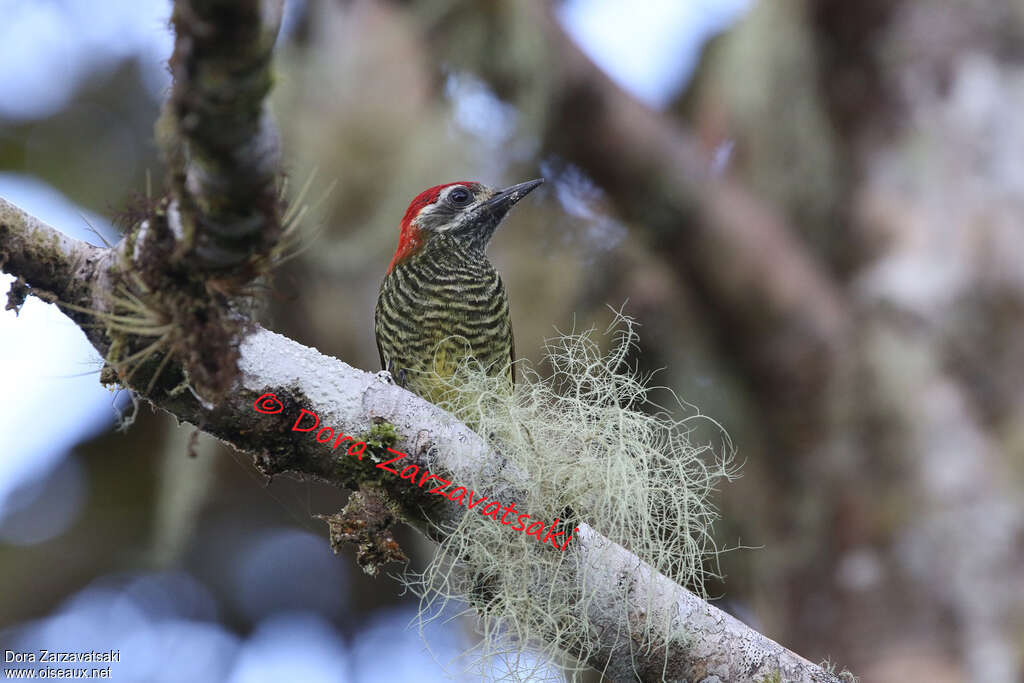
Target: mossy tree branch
(188, 259)
(699, 640)
(222, 148)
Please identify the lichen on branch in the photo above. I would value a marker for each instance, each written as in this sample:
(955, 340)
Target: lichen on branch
(583, 443)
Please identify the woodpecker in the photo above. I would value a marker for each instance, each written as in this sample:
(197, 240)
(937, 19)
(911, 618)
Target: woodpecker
(441, 299)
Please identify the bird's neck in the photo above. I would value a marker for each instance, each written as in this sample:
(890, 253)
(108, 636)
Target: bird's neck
(449, 248)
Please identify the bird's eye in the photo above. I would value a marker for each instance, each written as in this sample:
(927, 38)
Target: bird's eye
(460, 196)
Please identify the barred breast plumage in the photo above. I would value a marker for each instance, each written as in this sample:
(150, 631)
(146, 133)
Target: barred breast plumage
(441, 305)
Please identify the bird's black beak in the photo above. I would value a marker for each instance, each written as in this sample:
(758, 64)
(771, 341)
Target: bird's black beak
(501, 202)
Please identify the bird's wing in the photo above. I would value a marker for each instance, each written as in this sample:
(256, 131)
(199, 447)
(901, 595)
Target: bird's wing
(383, 365)
(380, 349)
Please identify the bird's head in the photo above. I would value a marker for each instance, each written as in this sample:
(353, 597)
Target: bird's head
(467, 211)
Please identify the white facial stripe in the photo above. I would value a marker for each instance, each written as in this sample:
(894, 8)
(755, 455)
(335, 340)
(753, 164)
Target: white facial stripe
(441, 207)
